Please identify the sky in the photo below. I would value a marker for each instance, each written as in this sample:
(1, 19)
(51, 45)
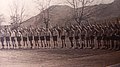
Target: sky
(31, 7)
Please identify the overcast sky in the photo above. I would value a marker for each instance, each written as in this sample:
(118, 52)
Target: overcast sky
(30, 6)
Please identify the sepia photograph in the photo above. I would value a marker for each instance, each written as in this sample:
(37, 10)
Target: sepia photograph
(59, 33)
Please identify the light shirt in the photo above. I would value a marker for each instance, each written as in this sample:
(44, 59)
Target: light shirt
(63, 32)
(42, 33)
(13, 34)
(47, 33)
(55, 33)
(19, 34)
(71, 33)
(7, 34)
(77, 32)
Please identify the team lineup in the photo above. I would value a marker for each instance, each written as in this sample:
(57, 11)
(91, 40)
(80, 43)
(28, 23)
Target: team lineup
(98, 36)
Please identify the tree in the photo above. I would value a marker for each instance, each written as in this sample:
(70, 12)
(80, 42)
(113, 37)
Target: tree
(43, 6)
(2, 19)
(79, 9)
(17, 12)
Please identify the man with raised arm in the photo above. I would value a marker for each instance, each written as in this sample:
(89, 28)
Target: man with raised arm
(7, 37)
(47, 36)
(42, 37)
(25, 35)
(2, 37)
(30, 37)
(55, 37)
(71, 36)
(13, 38)
(19, 35)
(63, 37)
(77, 33)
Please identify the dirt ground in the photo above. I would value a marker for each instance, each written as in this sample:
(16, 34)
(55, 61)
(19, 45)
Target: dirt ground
(58, 58)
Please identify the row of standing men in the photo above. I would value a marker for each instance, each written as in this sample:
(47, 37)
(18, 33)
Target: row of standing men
(91, 36)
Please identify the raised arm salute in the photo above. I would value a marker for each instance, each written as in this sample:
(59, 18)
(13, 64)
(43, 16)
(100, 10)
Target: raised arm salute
(13, 39)
(47, 35)
(71, 35)
(7, 37)
(55, 35)
(63, 35)
(25, 35)
(77, 33)
(42, 37)
(36, 37)
(83, 32)
(19, 35)
(30, 37)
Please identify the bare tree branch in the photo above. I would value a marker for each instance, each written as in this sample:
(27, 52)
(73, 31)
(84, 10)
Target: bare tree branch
(79, 13)
(43, 7)
(17, 11)
(71, 3)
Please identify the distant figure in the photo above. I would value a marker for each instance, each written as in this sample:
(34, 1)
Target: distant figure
(36, 37)
(117, 39)
(13, 38)
(77, 37)
(83, 32)
(7, 37)
(55, 35)
(92, 37)
(119, 34)
(42, 37)
(25, 35)
(63, 36)
(19, 35)
(48, 34)
(59, 31)
(71, 35)
(30, 37)
(99, 37)
(104, 37)
(108, 33)
(2, 38)
(87, 35)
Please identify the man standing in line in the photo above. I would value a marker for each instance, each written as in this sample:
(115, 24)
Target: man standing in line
(59, 31)
(71, 35)
(119, 35)
(92, 37)
(30, 37)
(96, 32)
(19, 35)
(42, 37)
(111, 36)
(2, 38)
(47, 35)
(108, 34)
(76, 35)
(36, 38)
(55, 36)
(99, 37)
(13, 38)
(7, 37)
(83, 32)
(105, 37)
(25, 35)
(88, 37)
(115, 37)
(63, 36)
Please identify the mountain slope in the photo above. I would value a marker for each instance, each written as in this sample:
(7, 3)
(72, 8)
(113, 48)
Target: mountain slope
(63, 15)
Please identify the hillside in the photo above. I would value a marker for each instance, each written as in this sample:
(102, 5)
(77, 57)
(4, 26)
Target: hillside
(63, 15)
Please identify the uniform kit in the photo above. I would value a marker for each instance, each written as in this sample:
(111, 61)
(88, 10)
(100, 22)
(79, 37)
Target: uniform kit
(97, 36)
